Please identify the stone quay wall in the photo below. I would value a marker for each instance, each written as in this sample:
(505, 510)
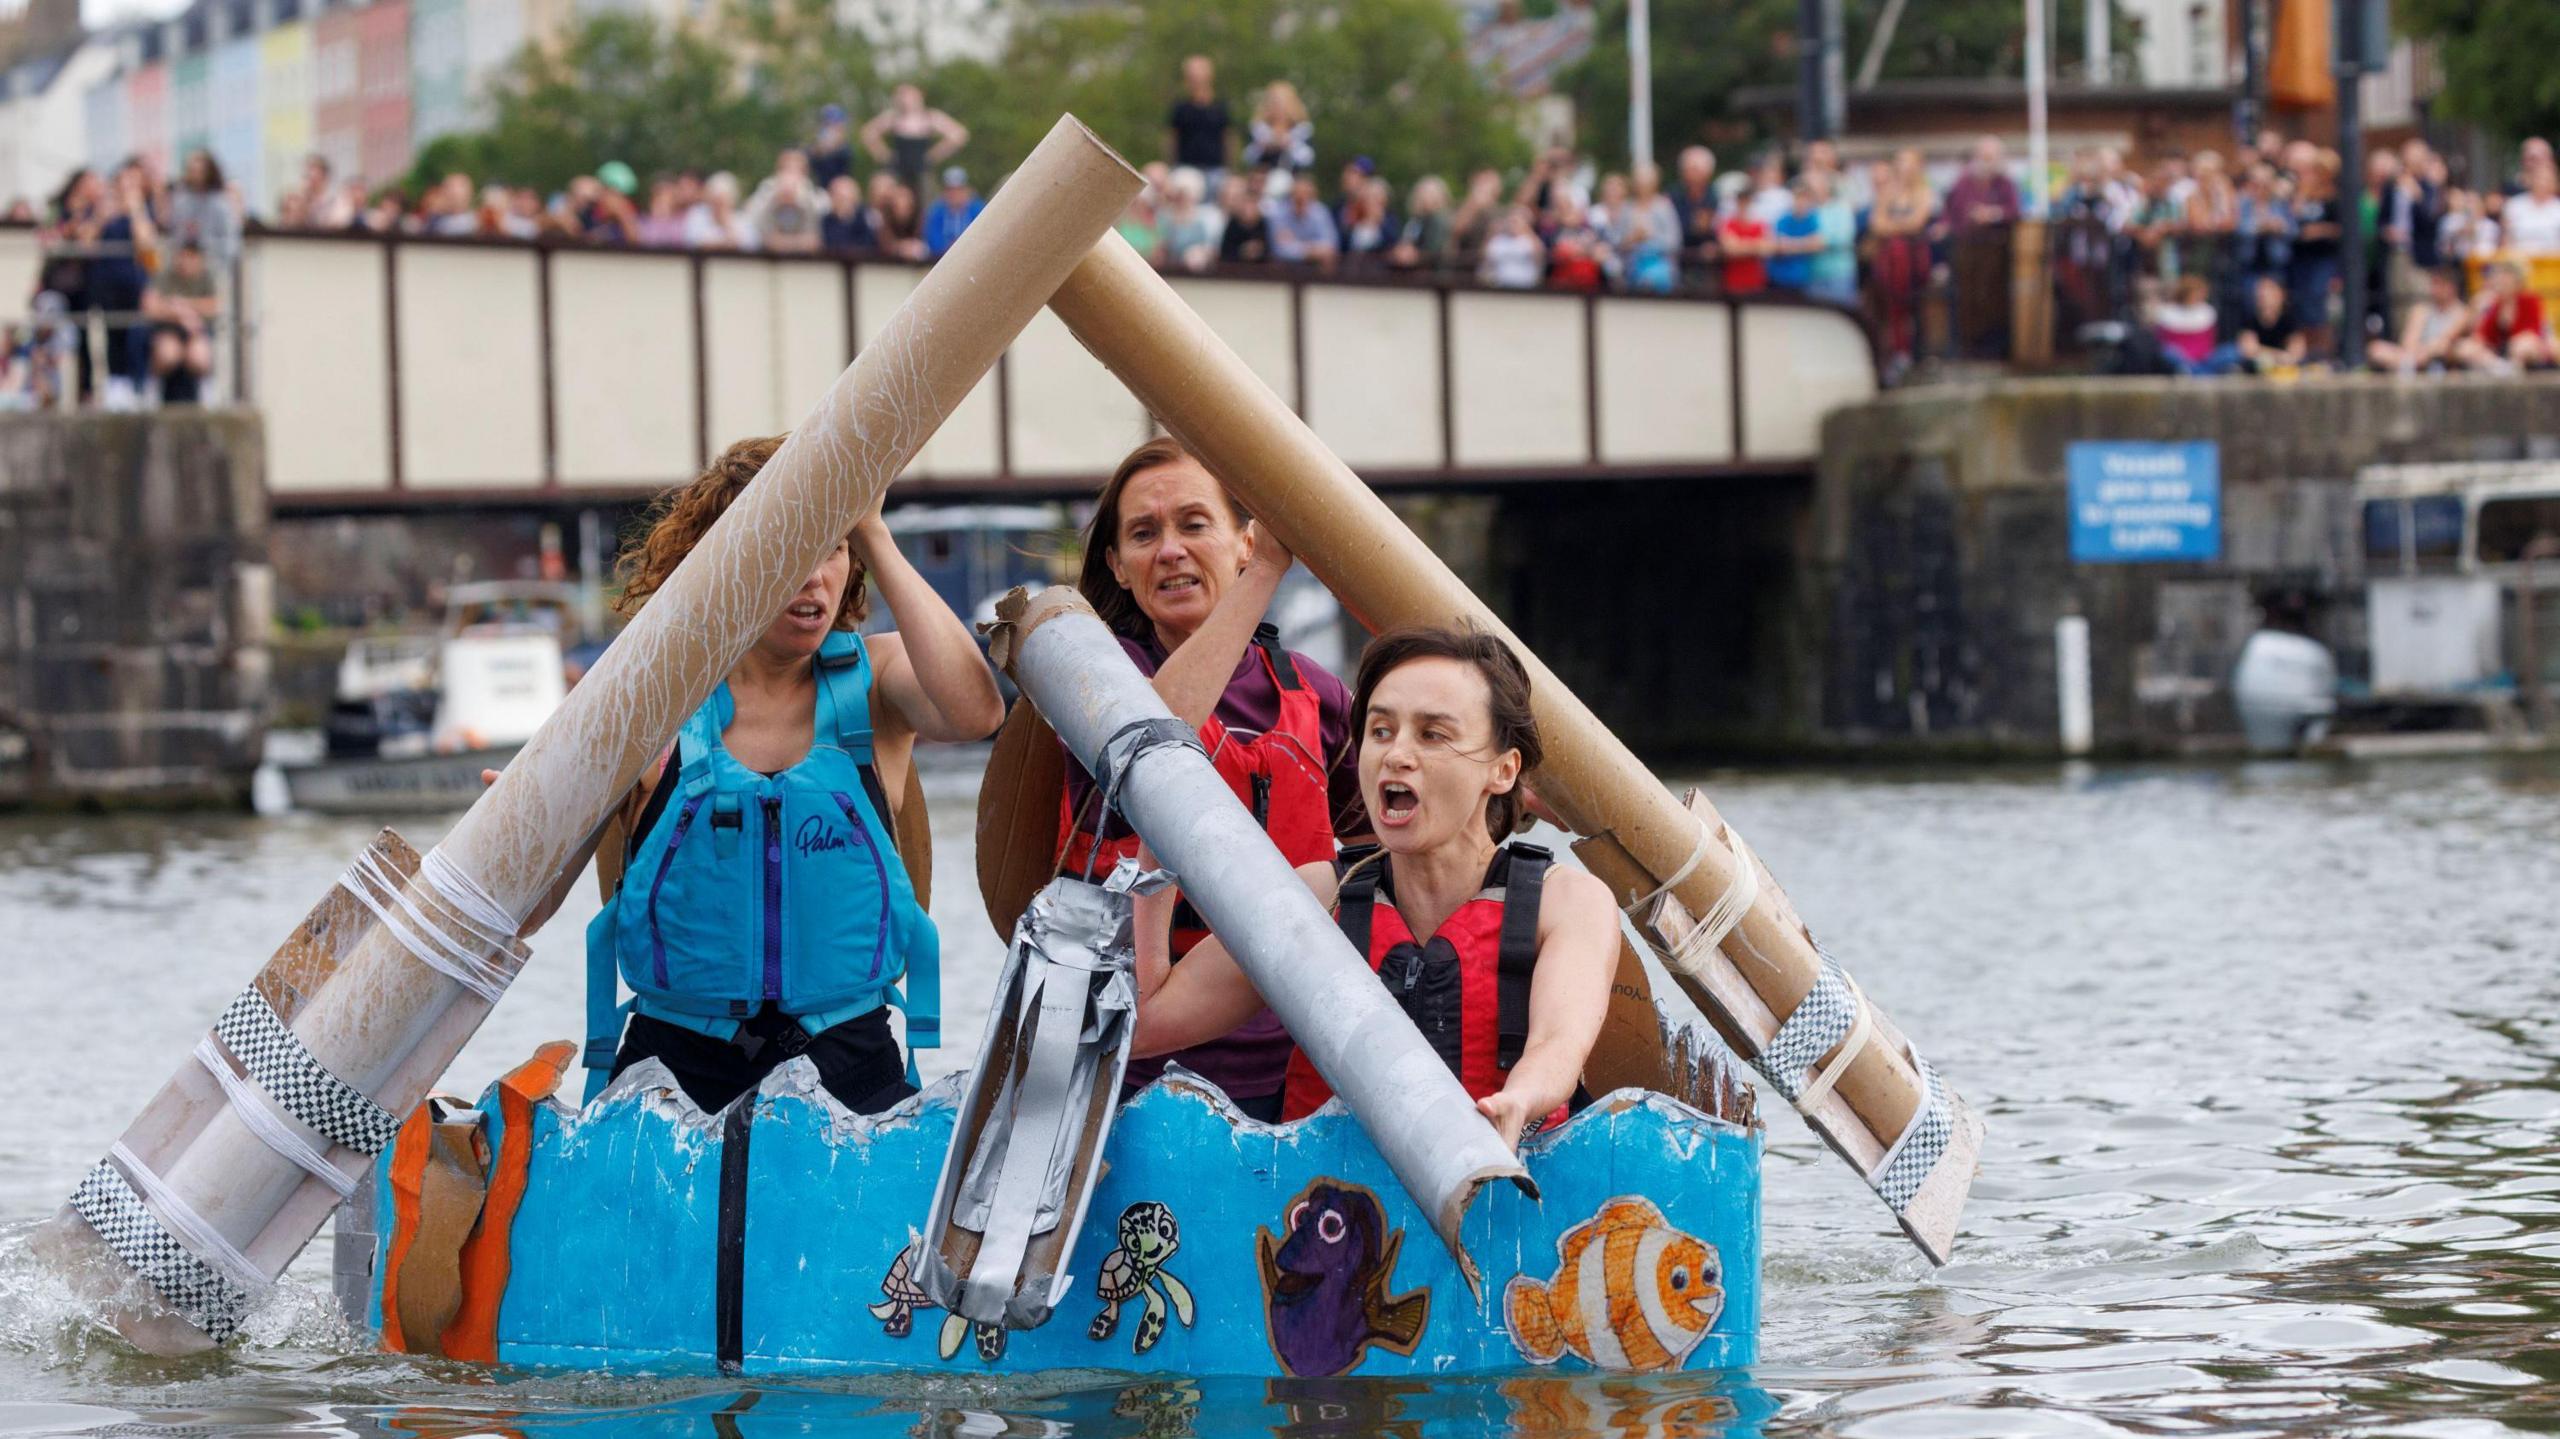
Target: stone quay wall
(1938, 557)
(135, 607)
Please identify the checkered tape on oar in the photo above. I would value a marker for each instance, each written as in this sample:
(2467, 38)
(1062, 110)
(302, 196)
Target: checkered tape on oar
(301, 1084)
(1814, 1029)
(1906, 1166)
(203, 1295)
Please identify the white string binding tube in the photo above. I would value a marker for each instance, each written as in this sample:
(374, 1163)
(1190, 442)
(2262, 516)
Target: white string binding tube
(189, 1227)
(257, 1112)
(1697, 852)
(464, 893)
(385, 893)
(1730, 908)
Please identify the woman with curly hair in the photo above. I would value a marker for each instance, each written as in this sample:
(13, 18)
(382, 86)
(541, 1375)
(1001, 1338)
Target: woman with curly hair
(762, 910)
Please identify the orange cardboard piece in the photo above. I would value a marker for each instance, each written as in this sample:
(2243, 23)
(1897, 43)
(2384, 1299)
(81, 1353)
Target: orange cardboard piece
(472, 1333)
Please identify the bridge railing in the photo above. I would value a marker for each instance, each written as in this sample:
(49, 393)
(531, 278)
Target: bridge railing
(407, 370)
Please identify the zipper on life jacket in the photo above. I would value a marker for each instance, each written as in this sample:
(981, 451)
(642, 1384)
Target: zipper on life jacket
(1262, 800)
(666, 861)
(772, 897)
(879, 874)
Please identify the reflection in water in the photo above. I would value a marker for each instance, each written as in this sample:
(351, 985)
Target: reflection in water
(2270, 1056)
(1646, 1407)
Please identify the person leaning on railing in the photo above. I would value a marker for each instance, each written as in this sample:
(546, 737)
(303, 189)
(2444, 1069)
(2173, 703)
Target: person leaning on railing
(183, 304)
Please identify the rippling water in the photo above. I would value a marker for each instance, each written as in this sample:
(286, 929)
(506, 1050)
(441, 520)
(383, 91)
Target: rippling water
(2269, 1056)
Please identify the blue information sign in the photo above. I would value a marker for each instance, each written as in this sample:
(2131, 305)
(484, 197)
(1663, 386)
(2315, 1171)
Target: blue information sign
(2135, 501)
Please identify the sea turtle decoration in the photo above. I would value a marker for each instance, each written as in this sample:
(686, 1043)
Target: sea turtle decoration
(897, 1311)
(1148, 1237)
(902, 1297)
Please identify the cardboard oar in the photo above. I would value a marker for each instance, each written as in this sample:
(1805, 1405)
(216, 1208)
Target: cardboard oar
(1722, 924)
(912, 825)
(237, 1162)
(1018, 815)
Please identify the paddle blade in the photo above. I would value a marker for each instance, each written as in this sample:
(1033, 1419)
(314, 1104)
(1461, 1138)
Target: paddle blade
(1018, 815)
(912, 827)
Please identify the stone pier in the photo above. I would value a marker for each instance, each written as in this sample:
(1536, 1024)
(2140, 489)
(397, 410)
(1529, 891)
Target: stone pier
(135, 608)
(1938, 554)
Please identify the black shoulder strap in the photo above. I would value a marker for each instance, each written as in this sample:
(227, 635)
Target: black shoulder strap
(1356, 902)
(1284, 670)
(879, 793)
(1524, 880)
(656, 805)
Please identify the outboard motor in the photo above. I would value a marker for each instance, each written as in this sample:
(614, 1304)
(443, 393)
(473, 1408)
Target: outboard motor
(2286, 689)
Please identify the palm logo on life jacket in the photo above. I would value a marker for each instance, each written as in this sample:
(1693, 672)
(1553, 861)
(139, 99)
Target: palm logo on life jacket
(1466, 988)
(1280, 775)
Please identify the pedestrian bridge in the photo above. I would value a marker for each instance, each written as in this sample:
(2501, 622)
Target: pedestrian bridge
(420, 373)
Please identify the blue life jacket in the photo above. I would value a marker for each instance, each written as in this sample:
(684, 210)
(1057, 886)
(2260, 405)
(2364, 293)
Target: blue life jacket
(744, 889)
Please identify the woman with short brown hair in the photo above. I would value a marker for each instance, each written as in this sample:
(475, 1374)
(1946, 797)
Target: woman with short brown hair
(1183, 575)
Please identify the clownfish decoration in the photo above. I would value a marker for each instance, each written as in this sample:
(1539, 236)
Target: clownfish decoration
(1630, 1293)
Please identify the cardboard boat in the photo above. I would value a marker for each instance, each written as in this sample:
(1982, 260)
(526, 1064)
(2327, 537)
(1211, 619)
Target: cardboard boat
(775, 1238)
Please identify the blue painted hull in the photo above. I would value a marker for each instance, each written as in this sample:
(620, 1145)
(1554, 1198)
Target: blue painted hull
(615, 1248)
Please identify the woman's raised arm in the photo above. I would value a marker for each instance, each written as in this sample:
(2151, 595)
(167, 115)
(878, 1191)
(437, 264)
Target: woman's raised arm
(1194, 677)
(934, 676)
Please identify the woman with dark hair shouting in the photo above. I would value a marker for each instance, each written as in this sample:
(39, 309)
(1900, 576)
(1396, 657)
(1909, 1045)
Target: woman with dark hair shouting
(1501, 959)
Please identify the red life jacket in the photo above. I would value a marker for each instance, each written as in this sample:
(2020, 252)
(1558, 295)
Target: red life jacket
(1279, 774)
(1466, 989)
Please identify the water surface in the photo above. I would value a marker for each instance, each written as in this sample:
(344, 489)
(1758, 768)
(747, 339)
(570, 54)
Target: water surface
(2268, 1055)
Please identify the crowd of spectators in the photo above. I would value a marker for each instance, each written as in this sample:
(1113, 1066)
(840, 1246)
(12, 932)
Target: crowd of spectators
(2201, 264)
(142, 255)
(2238, 266)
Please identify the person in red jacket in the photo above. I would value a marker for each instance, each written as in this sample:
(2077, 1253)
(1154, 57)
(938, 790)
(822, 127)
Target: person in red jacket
(2512, 331)
(1183, 576)
(1503, 961)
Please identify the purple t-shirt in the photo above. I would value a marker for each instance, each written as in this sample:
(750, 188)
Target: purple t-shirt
(1252, 1061)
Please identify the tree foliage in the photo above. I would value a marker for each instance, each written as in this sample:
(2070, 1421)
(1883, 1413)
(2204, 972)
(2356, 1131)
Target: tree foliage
(2497, 58)
(1388, 79)
(1385, 78)
(1706, 51)
(620, 86)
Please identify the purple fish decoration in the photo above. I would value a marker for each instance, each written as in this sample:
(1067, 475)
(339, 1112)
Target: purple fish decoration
(1325, 1281)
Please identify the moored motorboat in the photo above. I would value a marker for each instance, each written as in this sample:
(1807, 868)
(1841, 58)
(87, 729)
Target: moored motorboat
(418, 717)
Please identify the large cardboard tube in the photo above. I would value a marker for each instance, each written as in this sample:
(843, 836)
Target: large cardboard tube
(1130, 318)
(388, 1024)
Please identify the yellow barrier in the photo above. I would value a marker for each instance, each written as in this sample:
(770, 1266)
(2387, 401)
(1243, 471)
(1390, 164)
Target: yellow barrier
(2541, 273)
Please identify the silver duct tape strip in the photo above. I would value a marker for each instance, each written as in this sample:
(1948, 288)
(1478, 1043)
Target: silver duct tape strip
(200, 1294)
(1814, 1029)
(301, 1085)
(1924, 1142)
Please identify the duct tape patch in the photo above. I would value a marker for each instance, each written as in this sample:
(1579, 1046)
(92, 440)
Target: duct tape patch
(1813, 1030)
(195, 1289)
(1923, 1143)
